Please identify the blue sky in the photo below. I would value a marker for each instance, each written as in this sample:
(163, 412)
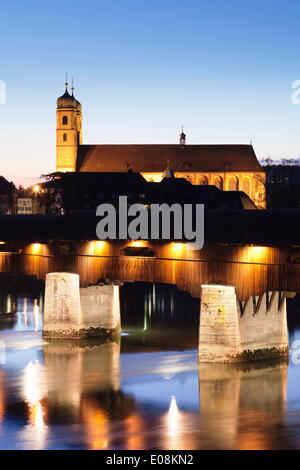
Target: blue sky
(223, 68)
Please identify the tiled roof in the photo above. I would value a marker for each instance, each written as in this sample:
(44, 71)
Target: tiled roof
(153, 158)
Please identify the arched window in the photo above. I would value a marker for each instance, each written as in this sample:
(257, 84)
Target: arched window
(259, 194)
(65, 137)
(246, 186)
(233, 184)
(218, 182)
(258, 185)
(65, 120)
(189, 178)
(202, 181)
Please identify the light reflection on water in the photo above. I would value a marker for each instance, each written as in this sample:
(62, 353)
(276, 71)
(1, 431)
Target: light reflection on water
(21, 313)
(144, 391)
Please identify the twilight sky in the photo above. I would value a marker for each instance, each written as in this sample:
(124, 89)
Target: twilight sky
(223, 68)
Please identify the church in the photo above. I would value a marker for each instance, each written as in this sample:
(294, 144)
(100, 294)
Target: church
(228, 167)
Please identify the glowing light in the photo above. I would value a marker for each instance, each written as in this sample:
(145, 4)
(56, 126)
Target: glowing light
(145, 321)
(35, 248)
(37, 415)
(135, 437)
(96, 423)
(36, 188)
(99, 243)
(33, 393)
(99, 246)
(257, 252)
(8, 304)
(138, 243)
(173, 423)
(173, 412)
(2, 396)
(96, 247)
(153, 177)
(258, 249)
(36, 312)
(2, 243)
(25, 310)
(177, 248)
(116, 307)
(31, 380)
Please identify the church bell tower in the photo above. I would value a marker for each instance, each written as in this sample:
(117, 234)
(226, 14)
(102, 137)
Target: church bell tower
(68, 131)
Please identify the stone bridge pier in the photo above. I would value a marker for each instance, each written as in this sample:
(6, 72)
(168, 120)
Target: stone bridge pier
(74, 312)
(233, 331)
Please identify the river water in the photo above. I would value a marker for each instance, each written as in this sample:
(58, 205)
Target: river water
(145, 391)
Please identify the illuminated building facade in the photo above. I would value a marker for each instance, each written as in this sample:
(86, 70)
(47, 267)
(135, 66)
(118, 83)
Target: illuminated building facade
(228, 167)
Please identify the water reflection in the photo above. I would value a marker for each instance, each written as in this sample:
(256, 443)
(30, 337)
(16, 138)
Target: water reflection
(34, 391)
(173, 424)
(105, 400)
(146, 306)
(20, 313)
(145, 391)
(238, 399)
(2, 396)
(85, 366)
(83, 381)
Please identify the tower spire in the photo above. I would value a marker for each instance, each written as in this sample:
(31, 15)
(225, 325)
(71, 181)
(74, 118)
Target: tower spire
(182, 137)
(72, 89)
(68, 130)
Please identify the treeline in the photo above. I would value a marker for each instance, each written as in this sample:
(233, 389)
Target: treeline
(282, 186)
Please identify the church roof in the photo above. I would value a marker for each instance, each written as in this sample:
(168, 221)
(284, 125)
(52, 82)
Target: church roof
(68, 101)
(153, 158)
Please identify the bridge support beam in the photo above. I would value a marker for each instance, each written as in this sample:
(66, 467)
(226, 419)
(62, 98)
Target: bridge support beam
(235, 332)
(71, 312)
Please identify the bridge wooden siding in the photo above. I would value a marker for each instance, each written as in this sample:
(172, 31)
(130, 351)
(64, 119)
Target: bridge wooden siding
(253, 270)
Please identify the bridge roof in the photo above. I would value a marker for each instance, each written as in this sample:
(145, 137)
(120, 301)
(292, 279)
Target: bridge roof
(244, 227)
(153, 158)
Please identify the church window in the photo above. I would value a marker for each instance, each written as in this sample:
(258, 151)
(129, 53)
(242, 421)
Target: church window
(218, 182)
(246, 186)
(65, 120)
(202, 181)
(65, 137)
(233, 184)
